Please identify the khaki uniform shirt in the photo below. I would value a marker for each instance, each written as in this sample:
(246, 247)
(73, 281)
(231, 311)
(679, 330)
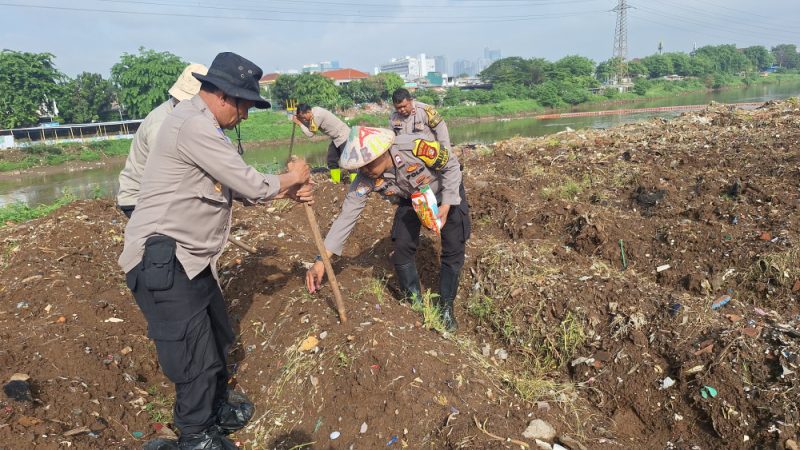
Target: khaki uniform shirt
(190, 179)
(330, 125)
(130, 179)
(416, 163)
(424, 120)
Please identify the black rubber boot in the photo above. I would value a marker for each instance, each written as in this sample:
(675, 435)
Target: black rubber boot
(234, 414)
(408, 278)
(448, 288)
(211, 439)
(161, 444)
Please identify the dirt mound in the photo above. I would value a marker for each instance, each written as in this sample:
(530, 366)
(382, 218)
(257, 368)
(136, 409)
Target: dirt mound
(634, 287)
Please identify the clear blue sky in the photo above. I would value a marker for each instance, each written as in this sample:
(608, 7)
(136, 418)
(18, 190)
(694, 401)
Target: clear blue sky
(90, 35)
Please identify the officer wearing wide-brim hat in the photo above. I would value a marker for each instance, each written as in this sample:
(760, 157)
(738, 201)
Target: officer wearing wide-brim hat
(130, 178)
(396, 167)
(176, 236)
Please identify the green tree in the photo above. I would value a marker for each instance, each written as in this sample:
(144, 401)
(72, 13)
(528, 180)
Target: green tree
(786, 56)
(681, 63)
(725, 58)
(700, 66)
(657, 65)
(316, 90)
(759, 57)
(605, 70)
(428, 97)
(28, 86)
(636, 68)
(571, 66)
(283, 89)
(143, 79)
(546, 94)
(87, 98)
(389, 83)
(359, 91)
(453, 96)
(641, 85)
(516, 70)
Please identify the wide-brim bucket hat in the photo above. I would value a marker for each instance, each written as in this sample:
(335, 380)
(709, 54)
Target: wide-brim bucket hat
(187, 86)
(235, 76)
(364, 145)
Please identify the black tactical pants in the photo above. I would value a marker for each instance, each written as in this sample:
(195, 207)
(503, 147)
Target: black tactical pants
(192, 333)
(334, 153)
(456, 232)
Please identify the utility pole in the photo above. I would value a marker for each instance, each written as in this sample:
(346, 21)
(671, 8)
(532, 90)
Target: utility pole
(621, 41)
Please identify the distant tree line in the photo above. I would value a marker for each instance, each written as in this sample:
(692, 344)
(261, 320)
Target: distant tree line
(31, 86)
(569, 80)
(317, 90)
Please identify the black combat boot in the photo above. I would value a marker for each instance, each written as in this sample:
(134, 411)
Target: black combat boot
(211, 439)
(448, 287)
(233, 414)
(408, 278)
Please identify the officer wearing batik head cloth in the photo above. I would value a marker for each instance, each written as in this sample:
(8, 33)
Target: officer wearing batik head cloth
(414, 117)
(397, 167)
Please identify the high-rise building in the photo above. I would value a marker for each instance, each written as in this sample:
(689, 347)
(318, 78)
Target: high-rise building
(491, 55)
(464, 67)
(440, 63)
(410, 68)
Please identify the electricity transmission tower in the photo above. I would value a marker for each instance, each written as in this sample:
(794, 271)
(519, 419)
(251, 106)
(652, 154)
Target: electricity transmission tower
(621, 41)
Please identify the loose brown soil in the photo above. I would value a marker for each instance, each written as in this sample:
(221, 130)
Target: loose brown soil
(554, 325)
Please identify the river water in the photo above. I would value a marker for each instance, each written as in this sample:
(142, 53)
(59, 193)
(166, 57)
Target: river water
(102, 181)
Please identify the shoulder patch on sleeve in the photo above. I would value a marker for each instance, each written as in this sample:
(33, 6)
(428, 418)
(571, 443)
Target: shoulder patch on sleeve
(431, 153)
(434, 118)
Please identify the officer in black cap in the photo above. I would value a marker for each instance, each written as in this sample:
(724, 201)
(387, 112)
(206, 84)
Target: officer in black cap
(173, 242)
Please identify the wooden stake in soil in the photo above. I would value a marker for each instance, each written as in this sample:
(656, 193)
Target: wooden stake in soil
(291, 142)
(337, 295)
(312, 222)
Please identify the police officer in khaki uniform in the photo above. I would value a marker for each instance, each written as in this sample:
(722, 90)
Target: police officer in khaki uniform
(130, 179)
(413, 117)
(320, 119)
(174, 240)
(396, 167)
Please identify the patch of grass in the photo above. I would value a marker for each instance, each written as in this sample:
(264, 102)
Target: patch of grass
(343, 360)
(159, 407)
(481, 307)
(375, 287)
(572, 337)
(55, 154)
(297, 366)
(20, 212)
(531, 386)
(568, 189)
(431, 316)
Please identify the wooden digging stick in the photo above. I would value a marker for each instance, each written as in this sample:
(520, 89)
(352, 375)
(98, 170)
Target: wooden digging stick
(312, 222)
(291, 143)
(337, 295)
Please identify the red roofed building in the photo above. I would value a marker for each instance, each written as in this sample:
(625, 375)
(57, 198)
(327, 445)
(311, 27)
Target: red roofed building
(268, 79)
(344, 76)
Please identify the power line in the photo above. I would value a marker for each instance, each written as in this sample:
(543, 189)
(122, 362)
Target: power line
(494, 4)
(470, 19)
(303, 19)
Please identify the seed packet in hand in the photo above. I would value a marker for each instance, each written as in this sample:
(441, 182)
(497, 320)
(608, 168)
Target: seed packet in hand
(424, 203)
